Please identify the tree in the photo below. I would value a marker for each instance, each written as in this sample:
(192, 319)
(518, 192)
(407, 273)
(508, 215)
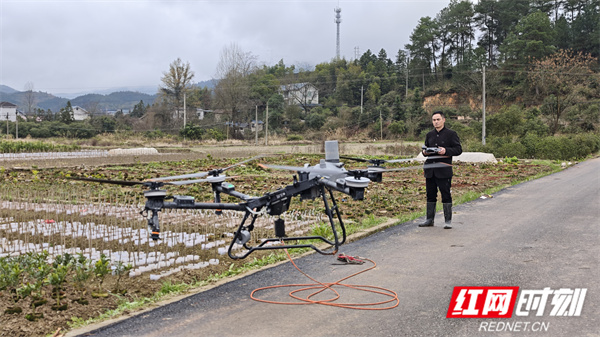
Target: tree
(232, 91)
(586, 28)
(103, 123)
(486, 19)
(29, 98)
(459, 16)
(424, 44)
(176, 82)
(66, 114)
(138, 110)
(563, 79)
(276, 111)
(531, 39)
(373, 93)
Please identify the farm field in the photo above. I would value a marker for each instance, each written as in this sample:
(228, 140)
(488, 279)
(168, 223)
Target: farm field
(97, 229)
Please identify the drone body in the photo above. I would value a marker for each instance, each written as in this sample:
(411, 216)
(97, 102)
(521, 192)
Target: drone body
(311, 182)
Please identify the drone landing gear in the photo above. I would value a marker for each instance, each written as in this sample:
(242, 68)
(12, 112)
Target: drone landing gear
(242, 235)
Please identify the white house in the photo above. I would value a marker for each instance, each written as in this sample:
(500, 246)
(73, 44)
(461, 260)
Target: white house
(80, 113)
(303, 94)
(8, 111)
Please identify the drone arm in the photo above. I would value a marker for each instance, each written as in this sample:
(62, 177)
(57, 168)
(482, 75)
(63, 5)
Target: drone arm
(356, 192)
(335, 186)
(229, 189)
(205, 205)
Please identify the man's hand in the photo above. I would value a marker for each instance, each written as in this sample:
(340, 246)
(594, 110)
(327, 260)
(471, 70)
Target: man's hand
(442, 151)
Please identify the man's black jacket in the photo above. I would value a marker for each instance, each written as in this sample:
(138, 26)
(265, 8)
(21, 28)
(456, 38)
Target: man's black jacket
(445, 138)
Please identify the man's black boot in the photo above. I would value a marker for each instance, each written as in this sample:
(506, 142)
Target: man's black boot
(447, 215)
(430, 215)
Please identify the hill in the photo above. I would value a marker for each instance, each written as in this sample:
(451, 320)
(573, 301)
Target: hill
(94, 103)
(6, 89)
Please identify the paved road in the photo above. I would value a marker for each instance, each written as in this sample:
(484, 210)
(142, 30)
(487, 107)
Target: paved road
(543, 233)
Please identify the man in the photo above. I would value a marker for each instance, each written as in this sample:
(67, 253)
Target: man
(447, 144)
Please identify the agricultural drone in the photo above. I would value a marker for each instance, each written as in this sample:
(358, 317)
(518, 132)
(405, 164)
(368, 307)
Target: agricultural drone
(311, 182)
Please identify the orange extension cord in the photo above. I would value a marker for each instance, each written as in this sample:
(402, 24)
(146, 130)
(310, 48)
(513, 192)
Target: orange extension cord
(320, 287)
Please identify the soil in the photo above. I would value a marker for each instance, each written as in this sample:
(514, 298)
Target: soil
(400, 193)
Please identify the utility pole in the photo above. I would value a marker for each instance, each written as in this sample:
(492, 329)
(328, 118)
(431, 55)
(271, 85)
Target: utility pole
(380, 125)
(483, 106)
(407, 58)
(361, 99)
(256, 126)
(184, 111)
(267, 126)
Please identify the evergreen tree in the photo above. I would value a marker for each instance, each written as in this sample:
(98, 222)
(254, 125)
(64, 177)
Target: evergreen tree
(531, 40)
(66, 114)
(138, 110)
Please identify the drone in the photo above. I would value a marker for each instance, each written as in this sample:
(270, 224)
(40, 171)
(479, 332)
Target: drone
(311, 182)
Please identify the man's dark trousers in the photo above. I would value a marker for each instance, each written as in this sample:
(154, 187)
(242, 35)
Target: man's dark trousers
(432, 184)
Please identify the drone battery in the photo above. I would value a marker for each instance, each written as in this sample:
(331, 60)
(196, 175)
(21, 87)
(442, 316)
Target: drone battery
(279, 228)
(279, 206)
(183, 200)
(310, 194)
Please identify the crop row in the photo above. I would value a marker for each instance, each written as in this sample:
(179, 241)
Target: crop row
(66, 221)
(27, 275)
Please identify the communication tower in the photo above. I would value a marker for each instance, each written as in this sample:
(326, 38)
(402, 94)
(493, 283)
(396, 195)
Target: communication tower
(338, 20)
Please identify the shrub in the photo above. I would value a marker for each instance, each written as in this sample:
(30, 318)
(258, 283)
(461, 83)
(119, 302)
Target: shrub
(510, 150)
(214, 134)
(534, 146)
(192, 131)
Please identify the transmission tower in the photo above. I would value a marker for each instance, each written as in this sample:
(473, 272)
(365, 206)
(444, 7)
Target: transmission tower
(338, 20)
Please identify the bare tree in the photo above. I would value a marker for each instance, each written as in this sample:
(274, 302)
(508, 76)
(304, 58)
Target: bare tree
(176, 82)
(562, 80)
(29, 98)
(232, 92)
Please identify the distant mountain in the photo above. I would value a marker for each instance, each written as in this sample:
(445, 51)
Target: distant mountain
(105, 100)
(125, 100)
(6, 89)
(94, 103)
(148, 89)
(210, 84)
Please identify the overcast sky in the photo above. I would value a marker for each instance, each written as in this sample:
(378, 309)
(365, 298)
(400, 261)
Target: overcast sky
(82, 46)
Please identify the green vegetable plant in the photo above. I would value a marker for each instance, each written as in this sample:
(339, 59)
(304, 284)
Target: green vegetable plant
(83, 272)
(101, 269)
(56, 279)
(38, 271)
(120, 269)
(11, 279)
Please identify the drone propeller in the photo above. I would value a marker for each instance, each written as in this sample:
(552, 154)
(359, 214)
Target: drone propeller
(378, 162)
(425, 166)
(337, 172)
(215, 173)
(212, 179)
(150, 184)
